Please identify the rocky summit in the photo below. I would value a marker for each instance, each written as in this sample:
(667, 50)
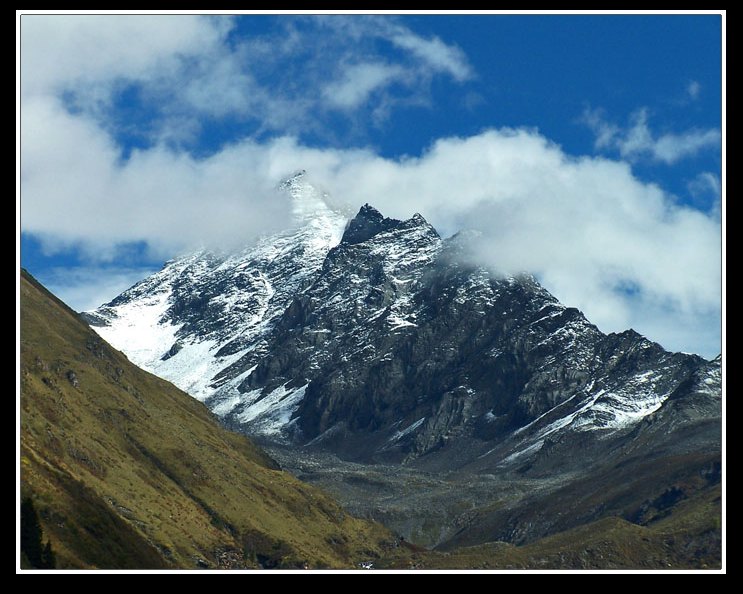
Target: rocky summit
(376, 341)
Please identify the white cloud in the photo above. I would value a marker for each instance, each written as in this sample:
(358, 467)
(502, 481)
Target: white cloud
(76, 190)
(434, 52)
(186, 67)
(359, 81)
(430, 55)
(58, 51)
(586, 226)
(670, 148)
(693, 89)
(638, 140)
(219, 87)
(605, 132)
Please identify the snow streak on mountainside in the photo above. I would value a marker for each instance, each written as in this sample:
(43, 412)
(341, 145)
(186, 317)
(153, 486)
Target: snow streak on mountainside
(380, 339)
(210, 308)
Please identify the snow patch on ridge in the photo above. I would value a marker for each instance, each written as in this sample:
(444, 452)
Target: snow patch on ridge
(271, 414)
(137, 329)
(246, 292)
(398, 435)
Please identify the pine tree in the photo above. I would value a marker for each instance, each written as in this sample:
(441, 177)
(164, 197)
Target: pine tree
(30, 532)
(48, 558)
(31, 538)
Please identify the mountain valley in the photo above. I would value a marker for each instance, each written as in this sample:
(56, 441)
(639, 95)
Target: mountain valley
(469, 411)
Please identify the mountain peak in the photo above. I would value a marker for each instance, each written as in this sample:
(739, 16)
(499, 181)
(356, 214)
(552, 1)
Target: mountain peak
(369, 212)
(366, 224)
(418, 221)
(293, 179)
(308, 203)
(370, 222)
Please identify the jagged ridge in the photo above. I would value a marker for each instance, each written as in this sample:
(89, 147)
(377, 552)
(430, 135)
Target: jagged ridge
(380, 340)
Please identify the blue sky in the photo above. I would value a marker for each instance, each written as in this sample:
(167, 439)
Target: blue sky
(586, 148)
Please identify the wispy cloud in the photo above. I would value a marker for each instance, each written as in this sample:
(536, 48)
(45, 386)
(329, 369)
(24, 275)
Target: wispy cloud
(706, 192)
(61, 51)
(705, 183)
(693, 89)
(359, 81)
(86, 287)
(638, 141)
(290, 79)
(585, 225)
(435, 53)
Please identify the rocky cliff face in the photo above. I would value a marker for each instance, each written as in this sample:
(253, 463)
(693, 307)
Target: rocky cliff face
(381, 341)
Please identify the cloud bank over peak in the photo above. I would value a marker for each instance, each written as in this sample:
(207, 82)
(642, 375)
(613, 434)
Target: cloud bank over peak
(598, 237)
(621, 249)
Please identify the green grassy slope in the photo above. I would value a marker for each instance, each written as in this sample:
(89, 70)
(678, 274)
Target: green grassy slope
(127, 471)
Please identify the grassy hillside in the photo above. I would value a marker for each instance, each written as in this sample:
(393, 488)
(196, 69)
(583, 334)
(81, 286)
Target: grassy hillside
(127, 471)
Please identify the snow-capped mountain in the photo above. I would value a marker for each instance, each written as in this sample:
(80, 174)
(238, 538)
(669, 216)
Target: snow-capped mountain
(210, 308)
(378, 339)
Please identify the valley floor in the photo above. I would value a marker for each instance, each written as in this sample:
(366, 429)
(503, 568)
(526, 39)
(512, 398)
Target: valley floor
(430, 511)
